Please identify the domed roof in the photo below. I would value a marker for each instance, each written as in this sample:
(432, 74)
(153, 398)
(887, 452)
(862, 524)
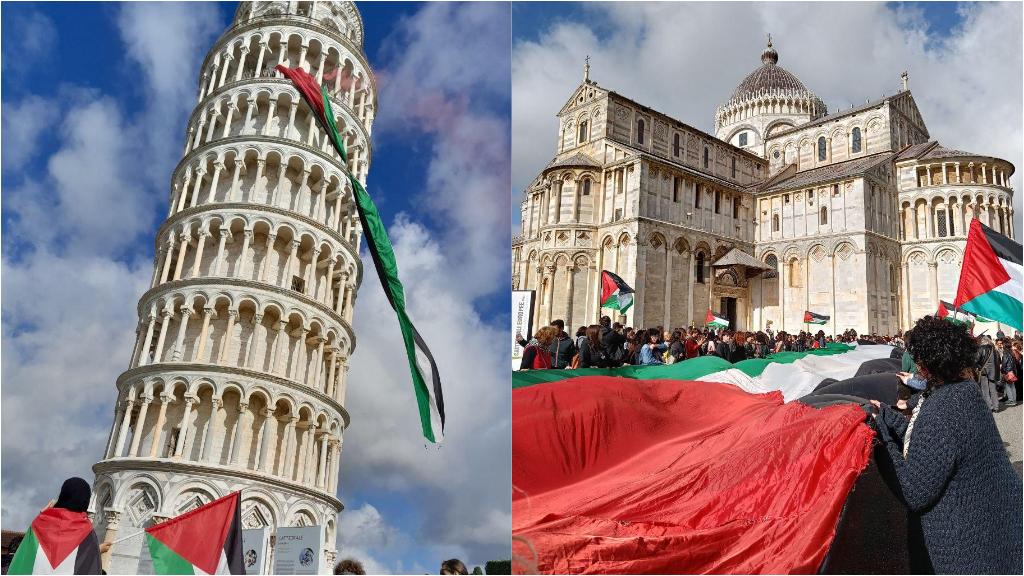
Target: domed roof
(770, 78)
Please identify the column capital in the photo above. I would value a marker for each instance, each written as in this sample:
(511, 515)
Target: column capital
(281, 325)
(190, 400)
(292, 420)
(166, 313)
(266, 412)
(257, 318)
(113, 517)
(217, 403)
(185, 312)
(248, 233)
(295, 244)
(232, 312)
(244, 49)
(146, 399)
(243, 405)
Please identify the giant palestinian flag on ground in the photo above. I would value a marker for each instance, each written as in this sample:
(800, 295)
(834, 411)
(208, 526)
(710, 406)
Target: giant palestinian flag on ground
(794, 374)
(207, 540)
(429, 397)
(992, 277)
(58, 542)
(620, 476)
(615, 293)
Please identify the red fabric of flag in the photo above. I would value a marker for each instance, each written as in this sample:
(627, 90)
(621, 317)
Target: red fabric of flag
(308, 86)
(59, 531)
(198, 535)
(661, 476)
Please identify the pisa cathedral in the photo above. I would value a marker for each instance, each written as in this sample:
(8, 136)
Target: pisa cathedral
(238, 376)
(855, 214)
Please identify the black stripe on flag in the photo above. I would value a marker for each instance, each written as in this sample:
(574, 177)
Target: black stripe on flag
(623, 287)
(1004, 248)
(233, 541)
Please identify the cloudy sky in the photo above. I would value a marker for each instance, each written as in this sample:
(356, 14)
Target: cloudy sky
(964, 61)
(95, 99)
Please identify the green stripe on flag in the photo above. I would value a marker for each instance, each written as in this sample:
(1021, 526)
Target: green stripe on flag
(24, 560)
(334, 136)
(691, 369)
(165, 560)
(998, 307)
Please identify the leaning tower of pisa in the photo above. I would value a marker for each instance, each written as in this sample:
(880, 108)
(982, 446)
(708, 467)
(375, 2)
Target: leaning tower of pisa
(238, 376)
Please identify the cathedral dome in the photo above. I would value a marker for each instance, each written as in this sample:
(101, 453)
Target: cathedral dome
(770, 78)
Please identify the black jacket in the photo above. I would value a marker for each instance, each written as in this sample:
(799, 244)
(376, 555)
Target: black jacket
(562, 350)
(591, 358)
(614, 345)
(957, 481)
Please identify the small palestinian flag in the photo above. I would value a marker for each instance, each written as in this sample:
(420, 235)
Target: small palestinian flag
(949, 312)
(715, 321)
(429, 399)
(207, 540)
(992, 277)
(615, 293)
(58, 542)
(812, 318)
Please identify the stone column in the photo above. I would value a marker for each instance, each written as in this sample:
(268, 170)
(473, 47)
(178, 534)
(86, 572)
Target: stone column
(250, 107)
(201, 244)
(224, 69)
(229, 336)
(236, 435)
(299, 357)
(259, 59)
(247, 235)
(311, 457)
(329, 388)
(934, 277)
(322, 467)
(219, 266)
(550, 295)
(314, 257)
(168, 258)
(180, 447)
(163, 334)
(140, 422)
(335, 466)
(235, 182)
(185, 240)
(250, 357)
(261, 274)
(314, 379)
(320, 67)
(300, 472)
(290, 264)
(302, 57)
(213, 431)
(115, 427)
(179, 342)
(569, 278)
(265, 463)
(279, 344)
(287, 131)
(158, 429)
(556, 192)
(328, 280)
(287, 464)
(271, 114)
(142, 358)
(113, 522)
(195, 188)
(200, 353)
(342, 287)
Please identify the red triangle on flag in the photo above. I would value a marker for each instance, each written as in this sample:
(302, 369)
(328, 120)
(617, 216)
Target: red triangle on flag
(198, 536)
(982, 271)
(59, 531)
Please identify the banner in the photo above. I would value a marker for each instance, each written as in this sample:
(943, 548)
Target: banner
(297, 550)
(255, 542)
(522, 322)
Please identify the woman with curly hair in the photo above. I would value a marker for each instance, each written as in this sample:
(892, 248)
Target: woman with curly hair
(954, 475)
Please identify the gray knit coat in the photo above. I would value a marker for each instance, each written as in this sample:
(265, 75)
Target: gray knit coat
(957, 478)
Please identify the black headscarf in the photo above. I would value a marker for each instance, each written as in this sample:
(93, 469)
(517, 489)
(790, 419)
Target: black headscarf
(74, 495)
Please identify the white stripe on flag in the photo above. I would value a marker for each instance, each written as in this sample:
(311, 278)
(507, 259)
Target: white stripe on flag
(1012, 287)
(423, 363)
(42, 564)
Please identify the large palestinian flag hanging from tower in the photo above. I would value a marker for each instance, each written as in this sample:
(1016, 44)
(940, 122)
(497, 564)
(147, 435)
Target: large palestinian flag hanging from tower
(429, 398)
(207, 540)
(615, 293)
(992, 277)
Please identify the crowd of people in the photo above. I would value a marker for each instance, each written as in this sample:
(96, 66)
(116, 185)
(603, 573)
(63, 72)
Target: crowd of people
(610, 344)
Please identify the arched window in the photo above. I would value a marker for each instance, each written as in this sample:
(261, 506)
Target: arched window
(794, 273)
(586, 186)
(940, 223)
(734, 167)
(823, 218)
(699, 265)
(676, 188)
(743, 139)
(640, 131)
(775, 222)
(773, 267)
(856, 140)
(583, 132)
(675, 145)
(696, 195)
(718, 201)
(822, 152)
(705, 157)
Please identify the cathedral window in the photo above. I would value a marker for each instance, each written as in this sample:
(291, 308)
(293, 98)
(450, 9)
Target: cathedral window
(823, 218)
(676, 187)
(835, 190)
(705, 157)
(773, 267)
(583, 132)
(735, 207)
(856, 140)
(794, 273)
(785, 198)
(822, 151)
(776, 154)
(743, 139)
(586, 187)
(775, 222)
(699, 267)
(298, 284)
(940, 223)
(640, 131)
(733, 167)
(718, 201)
(675, 145)
(696, 196)
(618, 214)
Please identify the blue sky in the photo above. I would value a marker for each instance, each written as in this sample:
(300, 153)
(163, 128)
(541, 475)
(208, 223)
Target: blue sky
(95, 99)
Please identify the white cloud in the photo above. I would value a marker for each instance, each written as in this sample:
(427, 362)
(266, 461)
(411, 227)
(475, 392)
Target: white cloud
(23, 124)
(32, 40)
(677, 59)
(448, 64)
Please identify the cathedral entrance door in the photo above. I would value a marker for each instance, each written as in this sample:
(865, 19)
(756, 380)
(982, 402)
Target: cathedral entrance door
(727, 308)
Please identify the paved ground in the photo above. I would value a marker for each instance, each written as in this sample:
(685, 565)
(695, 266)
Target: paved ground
(1008, 420)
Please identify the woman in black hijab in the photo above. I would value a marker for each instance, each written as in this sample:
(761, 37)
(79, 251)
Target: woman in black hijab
(63, 535)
